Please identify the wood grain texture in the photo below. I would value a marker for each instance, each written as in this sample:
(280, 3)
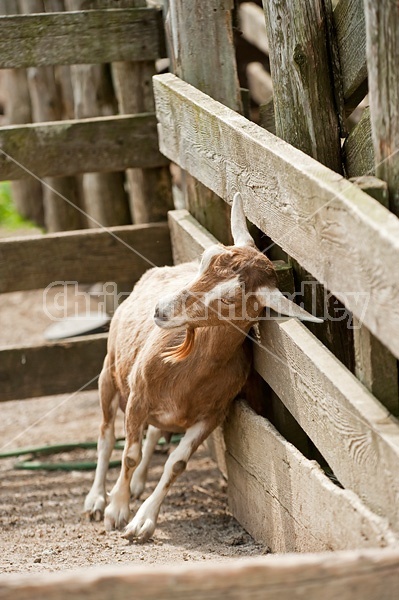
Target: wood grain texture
(358, 149)
(351, 38)
(347, 575)
(355, 434)
(295, 200)
(382, 26)
(203, 28)
(285, 500)
(252, 24)
(86, 145)
(93, 36)
(53, 368)
(304, 101)
(112, 254)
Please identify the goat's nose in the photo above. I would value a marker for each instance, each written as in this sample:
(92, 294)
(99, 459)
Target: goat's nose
(156, 312)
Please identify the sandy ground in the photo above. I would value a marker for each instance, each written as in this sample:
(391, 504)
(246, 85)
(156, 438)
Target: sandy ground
(40, 512)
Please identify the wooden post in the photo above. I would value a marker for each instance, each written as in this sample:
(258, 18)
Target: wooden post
(303, 95)
(150, 190)
(199, 35)
(26, 193)
(59, 214)
(382, 33)
(105, 199)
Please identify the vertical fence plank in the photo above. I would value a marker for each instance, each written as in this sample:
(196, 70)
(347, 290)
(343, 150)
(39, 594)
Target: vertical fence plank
(199, 34)
(26, 193)
(150, 190)
(375, 365)
(59, 214)
(104, 194)
(382, 33)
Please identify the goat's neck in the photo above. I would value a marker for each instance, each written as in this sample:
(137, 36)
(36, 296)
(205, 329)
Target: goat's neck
(221, 342)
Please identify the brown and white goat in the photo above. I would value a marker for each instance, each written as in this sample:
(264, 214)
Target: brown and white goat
(176, 359)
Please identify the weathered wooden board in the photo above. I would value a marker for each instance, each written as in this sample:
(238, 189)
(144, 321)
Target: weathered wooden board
(79, 146)
(53, 368)
(358, 151)
(314, 214)
(111, 254)
(252, 24)
(347, 575)
(351, 38)
(356, 435)
(87, 36)
(285, 500)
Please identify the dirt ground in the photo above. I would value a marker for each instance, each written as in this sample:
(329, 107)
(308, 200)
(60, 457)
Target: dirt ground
(42, 528)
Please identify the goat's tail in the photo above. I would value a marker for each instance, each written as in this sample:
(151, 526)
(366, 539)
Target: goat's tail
(180, 352)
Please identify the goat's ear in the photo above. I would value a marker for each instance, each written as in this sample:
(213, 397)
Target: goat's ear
(239, 229)
(274, 299)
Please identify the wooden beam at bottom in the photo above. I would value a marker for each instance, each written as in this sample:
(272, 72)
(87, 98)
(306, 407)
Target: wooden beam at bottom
(54, 368)
(349, 575)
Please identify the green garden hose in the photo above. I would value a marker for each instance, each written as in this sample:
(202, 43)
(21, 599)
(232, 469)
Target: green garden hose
(31, 464)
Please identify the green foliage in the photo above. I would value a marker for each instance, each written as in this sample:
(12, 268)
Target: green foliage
(9, 216)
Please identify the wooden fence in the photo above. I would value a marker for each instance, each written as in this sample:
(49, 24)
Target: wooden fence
(332, 400)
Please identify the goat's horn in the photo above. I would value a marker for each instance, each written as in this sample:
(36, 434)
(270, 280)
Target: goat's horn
(239, 229)
(274, 299)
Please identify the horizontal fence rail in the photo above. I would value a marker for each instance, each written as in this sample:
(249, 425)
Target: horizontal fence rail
(79, 146)
(346, 239)
(87, 36)
(352, 430)
(111, 254)
(64, 367)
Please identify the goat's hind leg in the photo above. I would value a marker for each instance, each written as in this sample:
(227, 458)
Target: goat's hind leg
(117, 512)
(96, 499)
(143, 524)
(140, 475)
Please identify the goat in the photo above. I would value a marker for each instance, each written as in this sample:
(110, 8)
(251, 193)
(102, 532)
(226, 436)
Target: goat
(176, 359)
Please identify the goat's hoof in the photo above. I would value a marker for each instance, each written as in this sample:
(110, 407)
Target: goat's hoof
(136, 489)
(140, 529)
(94, 507)
(116, 517)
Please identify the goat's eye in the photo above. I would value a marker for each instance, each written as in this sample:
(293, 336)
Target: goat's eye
(225, 300)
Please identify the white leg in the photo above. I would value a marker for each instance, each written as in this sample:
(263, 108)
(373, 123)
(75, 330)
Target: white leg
(140, 475)
(96, 499)
(117, 512)
(143, 524)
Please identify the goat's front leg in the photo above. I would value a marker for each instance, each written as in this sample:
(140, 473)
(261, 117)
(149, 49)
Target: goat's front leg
(143, 524)
(117, 512)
